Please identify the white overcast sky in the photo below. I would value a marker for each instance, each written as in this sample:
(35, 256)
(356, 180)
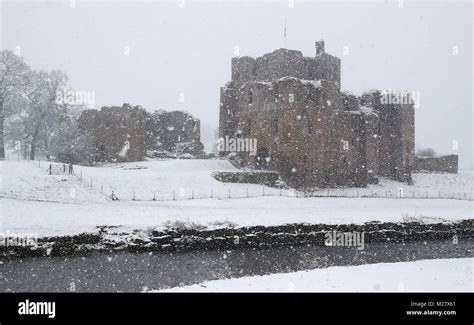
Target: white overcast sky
(188, 50)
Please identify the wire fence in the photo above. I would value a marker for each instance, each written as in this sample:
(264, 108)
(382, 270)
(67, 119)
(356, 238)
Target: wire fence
(177, 195)
(240, 191)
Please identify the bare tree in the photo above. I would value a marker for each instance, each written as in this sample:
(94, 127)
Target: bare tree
(428, 152)
(14, 123)
(14, 73)
(44, 112)
(70, 144)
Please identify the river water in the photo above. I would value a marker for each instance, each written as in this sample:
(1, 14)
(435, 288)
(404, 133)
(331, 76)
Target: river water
(135, 272)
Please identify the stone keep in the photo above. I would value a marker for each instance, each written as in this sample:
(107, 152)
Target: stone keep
(309, 130)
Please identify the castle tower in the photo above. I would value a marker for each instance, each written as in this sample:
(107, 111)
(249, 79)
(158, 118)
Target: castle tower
(306, 128)
(319, 47)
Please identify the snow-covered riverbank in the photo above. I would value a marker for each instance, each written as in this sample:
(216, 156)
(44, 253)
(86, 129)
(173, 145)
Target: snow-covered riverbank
(53, 219)
(444, 275)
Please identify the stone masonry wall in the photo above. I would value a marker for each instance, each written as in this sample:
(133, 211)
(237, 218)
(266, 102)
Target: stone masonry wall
(307, 129)
(173, 132)
(129, 133)
(442, 164)
(118, 132)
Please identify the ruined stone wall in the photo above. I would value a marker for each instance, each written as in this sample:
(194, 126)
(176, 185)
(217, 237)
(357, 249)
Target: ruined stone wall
(365, 132)
(295, 122)
(352, 158)
(118, 132)
(307, 129)
(129, 133)
(371, 145)
(281, 63)
(327, 67)
(390, 145)
(442, 164)
(174, 132)
(243, 69)
(350, 102)
(396, 136)
(228, 111)
(286, 63)
(292, 105)
(408, 141)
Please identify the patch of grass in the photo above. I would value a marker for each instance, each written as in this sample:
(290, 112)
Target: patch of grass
(223, 224)
(183, 225)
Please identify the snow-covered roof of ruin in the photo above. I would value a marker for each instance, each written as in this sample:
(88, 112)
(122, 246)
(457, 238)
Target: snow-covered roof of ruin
(314, 83)
(367, 110)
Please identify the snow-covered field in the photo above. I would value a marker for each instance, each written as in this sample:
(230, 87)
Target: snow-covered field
(181, 179)
(60, 218)
(27, 181)
(33, 201)
(443, 275)
(186, 178)
(168, 179)
(433, 185)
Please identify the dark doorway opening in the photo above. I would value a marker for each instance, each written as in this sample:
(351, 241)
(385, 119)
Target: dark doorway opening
(262, 158)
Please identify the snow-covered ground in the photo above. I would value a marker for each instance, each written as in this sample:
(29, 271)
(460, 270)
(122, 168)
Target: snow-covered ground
(33, 201)
(433, 185)
(443, 275)
(27, 181)
(193, 177)
(165, 179)
(181, 179)
(61, 218)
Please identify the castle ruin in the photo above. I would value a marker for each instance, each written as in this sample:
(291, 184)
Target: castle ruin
(129, 133)
(309, 130)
